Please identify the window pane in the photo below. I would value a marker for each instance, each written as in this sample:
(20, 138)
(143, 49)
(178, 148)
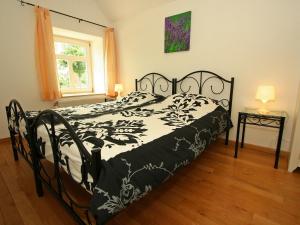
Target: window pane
(81, 72)
(69, 49)
(63, 73)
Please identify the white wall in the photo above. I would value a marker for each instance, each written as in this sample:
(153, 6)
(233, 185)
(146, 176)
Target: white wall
(256, 41)
(18, 77)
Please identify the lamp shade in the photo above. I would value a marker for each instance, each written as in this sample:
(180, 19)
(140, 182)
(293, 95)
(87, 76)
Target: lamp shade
(265, 93)
(118, 87)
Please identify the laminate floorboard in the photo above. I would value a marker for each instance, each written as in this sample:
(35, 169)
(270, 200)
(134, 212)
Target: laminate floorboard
(215, 189)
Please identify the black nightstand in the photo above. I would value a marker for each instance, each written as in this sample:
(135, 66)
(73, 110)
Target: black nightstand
(109, 99)
(253, 117)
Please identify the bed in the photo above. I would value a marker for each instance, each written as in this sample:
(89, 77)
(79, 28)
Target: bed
(114, 150)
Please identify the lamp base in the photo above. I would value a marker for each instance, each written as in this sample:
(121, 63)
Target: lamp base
(263, 111)
(118, 96)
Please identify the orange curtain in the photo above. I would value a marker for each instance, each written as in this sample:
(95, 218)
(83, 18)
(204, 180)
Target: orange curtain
(45, 56)
(111, 68)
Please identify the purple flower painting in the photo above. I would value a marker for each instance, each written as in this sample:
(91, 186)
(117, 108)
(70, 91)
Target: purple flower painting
(178, 32)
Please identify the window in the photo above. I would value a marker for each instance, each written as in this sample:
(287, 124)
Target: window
(73, 62)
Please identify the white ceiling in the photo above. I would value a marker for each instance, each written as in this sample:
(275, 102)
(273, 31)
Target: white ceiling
(121, 9)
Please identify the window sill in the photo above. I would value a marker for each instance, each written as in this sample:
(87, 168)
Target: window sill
(81, 95)
(79, 99)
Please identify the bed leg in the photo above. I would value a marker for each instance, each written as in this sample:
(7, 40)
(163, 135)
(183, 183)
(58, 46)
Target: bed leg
(227, 137)
(38, 186)
(37, 179)
(12, 135)
(13, 145)
(36, 167)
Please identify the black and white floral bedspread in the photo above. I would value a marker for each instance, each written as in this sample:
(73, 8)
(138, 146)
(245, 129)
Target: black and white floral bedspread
(81, 112)
(134, 99)
(140, 146)
(128, 176)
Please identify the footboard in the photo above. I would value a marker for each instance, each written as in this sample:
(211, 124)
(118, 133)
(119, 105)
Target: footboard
(18, 126)
(58, 156)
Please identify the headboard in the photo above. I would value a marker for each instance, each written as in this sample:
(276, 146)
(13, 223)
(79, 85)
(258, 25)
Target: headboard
(155, 83)
(209, 84)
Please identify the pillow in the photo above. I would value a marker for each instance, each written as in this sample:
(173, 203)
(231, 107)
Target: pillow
(189, 99)
(140, 98)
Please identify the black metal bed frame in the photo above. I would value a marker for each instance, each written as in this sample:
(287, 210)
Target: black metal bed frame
(15, 114)
(151, 79)
(91, 163)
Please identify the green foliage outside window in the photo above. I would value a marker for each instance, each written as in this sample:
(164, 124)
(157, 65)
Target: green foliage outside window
(78, 67)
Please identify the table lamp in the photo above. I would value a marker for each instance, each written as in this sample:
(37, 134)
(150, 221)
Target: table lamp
(265, 93)
(118, 88)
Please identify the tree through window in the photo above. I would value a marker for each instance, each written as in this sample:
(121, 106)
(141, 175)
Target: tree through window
(73, 65)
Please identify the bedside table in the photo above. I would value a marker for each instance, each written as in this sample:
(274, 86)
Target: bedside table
(109, 98)
(273, 119)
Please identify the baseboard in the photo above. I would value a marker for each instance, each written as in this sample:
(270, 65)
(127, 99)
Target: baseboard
(4, 140)
(231, 143)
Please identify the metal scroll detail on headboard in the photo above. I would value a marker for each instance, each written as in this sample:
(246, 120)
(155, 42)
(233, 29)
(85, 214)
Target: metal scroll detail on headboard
(209, 84)
(155, 83)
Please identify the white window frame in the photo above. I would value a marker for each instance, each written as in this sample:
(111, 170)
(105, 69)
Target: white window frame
(70, 59)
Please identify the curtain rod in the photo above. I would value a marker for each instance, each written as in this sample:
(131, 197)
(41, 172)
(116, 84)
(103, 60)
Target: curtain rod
(63, 14)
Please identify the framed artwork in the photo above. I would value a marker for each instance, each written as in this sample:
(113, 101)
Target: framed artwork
(178, 32)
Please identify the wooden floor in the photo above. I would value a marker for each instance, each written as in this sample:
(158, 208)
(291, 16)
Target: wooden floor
(215, 189)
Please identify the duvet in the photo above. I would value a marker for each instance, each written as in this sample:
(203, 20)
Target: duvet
(129, 176)
(141, 146)
(134, 99)
(143, 138)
